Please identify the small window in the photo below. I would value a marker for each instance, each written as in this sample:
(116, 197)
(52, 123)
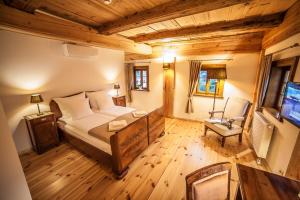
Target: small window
(141, 78)
(208, 82)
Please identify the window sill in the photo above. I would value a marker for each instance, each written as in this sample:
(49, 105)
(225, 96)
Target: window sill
(142, 90)
(207, 95)
(273, 112)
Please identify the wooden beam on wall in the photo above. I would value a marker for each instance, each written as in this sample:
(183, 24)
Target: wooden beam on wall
(251, 24)
(170, 10)
(244, 43)
(48, 26)
(289, 27)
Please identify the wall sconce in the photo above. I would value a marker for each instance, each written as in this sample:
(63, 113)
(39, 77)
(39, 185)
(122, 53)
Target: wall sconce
(168, 58)
(166, 65)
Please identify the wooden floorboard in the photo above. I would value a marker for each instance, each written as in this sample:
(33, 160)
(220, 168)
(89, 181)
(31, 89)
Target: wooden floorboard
(158, 173)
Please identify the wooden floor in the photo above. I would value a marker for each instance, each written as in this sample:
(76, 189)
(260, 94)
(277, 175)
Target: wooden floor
(159, 173)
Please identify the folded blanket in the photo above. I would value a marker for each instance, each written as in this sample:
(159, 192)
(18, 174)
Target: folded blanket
(116, 125)
(140, 113)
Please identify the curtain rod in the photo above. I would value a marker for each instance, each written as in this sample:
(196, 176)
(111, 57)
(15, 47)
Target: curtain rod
(213, 59)
(286, 48)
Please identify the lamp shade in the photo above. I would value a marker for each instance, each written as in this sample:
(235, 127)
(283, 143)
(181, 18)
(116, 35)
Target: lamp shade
(36, 98)
(116, 86)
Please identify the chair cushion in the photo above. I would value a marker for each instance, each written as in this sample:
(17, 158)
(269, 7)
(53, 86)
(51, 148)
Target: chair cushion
(214, 187)
(221, 129)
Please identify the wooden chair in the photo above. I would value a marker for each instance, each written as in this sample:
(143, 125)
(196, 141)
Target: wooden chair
(209, 183)
(232, 120)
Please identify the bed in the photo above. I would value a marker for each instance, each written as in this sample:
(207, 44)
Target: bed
(117, 149)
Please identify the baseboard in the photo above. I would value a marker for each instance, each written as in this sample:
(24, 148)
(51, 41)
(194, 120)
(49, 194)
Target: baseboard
(21, 153)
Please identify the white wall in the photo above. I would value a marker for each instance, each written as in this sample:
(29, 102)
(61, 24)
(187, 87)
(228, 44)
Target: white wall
(241, 72)
(285, 135)
(149, 100)
(31, 64)
(12, 180)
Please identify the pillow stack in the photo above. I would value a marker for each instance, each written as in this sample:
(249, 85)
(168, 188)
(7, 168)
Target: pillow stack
(100, 100)
(75, 107)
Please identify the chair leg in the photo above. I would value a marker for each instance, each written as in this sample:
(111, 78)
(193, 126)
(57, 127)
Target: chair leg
(205, 130)
(223, 141)
(241, 137)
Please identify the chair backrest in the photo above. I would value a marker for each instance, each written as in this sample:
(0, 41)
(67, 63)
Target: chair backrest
(207, 176)
(236, 107)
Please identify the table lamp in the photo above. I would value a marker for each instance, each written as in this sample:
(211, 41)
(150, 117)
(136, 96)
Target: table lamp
(37, 98)
(117, 87)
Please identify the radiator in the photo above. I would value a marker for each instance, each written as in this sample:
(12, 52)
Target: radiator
(261, 134)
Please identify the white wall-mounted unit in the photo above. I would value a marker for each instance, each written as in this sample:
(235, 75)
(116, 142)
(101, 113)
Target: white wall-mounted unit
(261, 134)
(74, 50)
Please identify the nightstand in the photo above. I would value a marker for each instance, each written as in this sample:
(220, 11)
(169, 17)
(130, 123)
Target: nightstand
(42, 130)
(119, 101)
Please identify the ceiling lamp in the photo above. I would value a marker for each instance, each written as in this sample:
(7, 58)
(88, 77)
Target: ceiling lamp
(107, 2)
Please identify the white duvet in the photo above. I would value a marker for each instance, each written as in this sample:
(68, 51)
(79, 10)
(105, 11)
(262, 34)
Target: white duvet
(115, 111)
(91, 121)
(98, 118)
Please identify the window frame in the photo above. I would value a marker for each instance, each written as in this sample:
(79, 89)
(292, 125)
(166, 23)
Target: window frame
(141, 69)
(219, 89)
(287, 64)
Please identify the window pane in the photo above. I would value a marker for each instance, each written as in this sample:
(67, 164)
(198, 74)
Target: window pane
(138, 81)
(144, 72)
(212, 85)
(202, 81)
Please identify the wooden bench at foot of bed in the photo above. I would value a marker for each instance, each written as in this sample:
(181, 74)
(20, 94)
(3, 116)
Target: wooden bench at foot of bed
(127, 144)
(156, 124)
(130, 142)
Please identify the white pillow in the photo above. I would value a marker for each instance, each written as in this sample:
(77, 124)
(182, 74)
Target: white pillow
(100, 100)
(65, 100)
(79, 108)
(93, 102)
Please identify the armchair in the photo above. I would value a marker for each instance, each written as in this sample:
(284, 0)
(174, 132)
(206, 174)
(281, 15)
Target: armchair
(232, 120)
(211, 182)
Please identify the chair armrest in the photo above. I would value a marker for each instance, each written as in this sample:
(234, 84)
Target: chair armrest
(238, 118)
(202, 173)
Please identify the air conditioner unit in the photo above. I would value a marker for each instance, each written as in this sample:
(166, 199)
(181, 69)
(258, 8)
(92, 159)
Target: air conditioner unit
(74, 50)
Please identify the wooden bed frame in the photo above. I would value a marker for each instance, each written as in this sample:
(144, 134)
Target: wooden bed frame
(126, 144)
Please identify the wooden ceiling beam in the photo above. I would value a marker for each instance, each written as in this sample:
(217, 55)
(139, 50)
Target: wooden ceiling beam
(25, 5)
(31, 6)
(56, 28)
(244, 43)
(170, 10)
(218, 38)
(250, 24)
(289, 27)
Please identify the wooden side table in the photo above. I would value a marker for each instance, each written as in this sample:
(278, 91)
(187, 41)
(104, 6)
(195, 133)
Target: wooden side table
(119, 100)
(42, 130)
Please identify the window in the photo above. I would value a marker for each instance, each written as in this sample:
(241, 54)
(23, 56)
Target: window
(211, 79)
(141, 78)
(282, 71)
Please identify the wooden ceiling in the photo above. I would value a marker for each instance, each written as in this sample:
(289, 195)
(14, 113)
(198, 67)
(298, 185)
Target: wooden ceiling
(158, 22)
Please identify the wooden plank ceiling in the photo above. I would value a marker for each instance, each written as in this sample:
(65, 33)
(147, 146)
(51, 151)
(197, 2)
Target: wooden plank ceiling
(163, 22)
